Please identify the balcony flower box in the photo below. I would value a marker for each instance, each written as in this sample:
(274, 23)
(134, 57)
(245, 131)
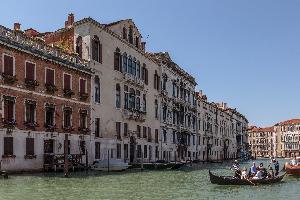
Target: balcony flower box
(50, 128)
(83, 130)
(68, 93)
(68, 129)
(31, 125)
(50, 88)
(8, 156)
(9, 123)
(31, 83)
(83, 96)
(28, 157)
(9, 79)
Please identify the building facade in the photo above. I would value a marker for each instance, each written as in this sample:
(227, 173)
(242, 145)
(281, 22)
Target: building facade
(137, 106)
(44, 95)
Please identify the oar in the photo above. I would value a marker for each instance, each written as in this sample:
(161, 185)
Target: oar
(245, 178)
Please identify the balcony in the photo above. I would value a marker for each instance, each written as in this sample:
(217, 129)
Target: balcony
(134, 114)
(50, 88)
(83, 130)
(50, 127)
(9, 124)
(68, 129)
(133, 80)
(31, 84)
(31, 125)
(68, 93)
(83, 96)
(9, 79)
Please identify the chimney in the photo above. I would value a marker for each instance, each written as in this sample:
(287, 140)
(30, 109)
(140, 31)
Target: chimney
(143, 46)
(70, 20)
(17, 26)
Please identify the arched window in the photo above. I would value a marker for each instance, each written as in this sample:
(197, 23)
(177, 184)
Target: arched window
(131, 98)
(124, 62)
(79, 46)
(125, 97)
(138, 100)
(145, 74)
(117, 60)
(118, 96)
(130, 35)
(144, 103)
(129, 65)
(138, 69)
(134, 67)
(124, 33)
(137, 41)
(97, 89)
(96, 49)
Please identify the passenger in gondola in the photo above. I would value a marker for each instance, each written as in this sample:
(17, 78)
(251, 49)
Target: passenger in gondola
(270, 173)
(276, 166)
(294, 161)
(253, 170)
(244, 173)
(236, 168)
(259, 175)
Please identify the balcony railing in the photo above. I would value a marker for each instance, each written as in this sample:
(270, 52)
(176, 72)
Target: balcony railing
(134, 114)
(133, 80)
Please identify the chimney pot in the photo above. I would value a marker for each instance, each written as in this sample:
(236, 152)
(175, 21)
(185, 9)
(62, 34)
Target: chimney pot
(17, 26)
(70, 20)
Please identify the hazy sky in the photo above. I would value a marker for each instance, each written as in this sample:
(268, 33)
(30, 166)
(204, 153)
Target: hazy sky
(243, 52)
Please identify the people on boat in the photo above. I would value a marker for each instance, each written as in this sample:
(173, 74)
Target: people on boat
(294, 161)
(259, 174)
(244, 173)
(236, 168)
(270, 173)
(276, 167)
(253, 169)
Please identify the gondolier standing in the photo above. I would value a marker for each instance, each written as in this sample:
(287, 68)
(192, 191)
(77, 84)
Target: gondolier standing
(236, 168)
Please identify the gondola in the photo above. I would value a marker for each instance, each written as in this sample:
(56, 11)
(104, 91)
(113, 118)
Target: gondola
(230, 180)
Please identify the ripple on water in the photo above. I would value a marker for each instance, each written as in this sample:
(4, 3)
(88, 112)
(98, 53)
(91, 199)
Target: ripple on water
(179, 185)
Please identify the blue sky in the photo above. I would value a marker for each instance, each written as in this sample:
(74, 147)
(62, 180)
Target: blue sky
(243, 52)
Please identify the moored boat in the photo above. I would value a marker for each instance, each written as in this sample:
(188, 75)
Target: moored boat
(109, 165)
(230, 180)
(292, 170)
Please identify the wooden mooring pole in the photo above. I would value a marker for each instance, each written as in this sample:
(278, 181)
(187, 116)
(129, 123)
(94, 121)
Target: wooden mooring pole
(66, 164)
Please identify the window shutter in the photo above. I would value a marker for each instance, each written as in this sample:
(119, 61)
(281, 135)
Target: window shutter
(82, 85)
(100, 53)
(50, 76)
(8, 146)
(29, 146)
(30, 69)
(8, 65)
(9, 110)
(67, 81)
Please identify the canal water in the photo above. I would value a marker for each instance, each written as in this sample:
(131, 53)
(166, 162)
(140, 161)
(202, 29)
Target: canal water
(191, 183)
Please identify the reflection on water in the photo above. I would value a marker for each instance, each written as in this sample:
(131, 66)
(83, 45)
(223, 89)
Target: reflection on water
(191, 183)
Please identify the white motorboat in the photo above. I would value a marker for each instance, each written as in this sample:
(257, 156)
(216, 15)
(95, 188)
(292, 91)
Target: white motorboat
(111, 165)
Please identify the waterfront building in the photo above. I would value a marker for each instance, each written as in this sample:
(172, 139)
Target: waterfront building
(113, 98)
(288, 138)
(45, 94)
(280, 140)
(262, 141)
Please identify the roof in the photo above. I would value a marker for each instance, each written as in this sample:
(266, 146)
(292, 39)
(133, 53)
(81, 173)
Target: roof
(289, 122)
(164, 58)
(266, 129)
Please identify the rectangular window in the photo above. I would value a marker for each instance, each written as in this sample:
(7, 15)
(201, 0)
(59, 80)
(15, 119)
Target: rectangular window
(97, 150)
(50, 76)
(30, 146)
(50, 116)
(97, 127)
(145, 151)
(125, 151)
(139, 151)
(8, 146)
(138, 131)
(30, 71)
(30, 111)
(67, 117)
(156, 152)
(8, 62)
(165, 135)
(118, 151)
(67, 82)
(174, 137)
(83, 119)
(118, 130)
(149, 134)
(156, 135)
(9, 111)
(125, 129)
(82, 147)
(144, 132)
(82, 86)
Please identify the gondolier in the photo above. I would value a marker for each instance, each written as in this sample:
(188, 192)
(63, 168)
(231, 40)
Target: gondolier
(236, 168)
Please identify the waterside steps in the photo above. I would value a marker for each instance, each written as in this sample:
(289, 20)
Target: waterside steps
(4, 174)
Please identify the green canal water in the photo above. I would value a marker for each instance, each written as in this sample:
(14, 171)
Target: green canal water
(191, 183)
